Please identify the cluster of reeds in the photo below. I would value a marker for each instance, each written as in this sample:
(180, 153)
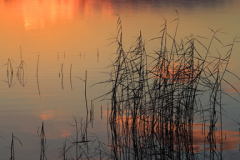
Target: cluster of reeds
(83, 146)
(155, 98)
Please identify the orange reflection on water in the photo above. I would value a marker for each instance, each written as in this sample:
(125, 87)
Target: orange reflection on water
(37, 14)
(230, 139)
(65, 133)
(181, 75)
(46, 115)
(230, 89)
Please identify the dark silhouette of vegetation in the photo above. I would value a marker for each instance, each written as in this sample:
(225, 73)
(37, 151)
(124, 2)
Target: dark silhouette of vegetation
(21, 71)
(43, 143)
(12, 147)
(155, 98)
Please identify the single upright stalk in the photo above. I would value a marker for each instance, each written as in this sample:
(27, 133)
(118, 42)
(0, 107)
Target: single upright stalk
(71, 77)
(37, 77)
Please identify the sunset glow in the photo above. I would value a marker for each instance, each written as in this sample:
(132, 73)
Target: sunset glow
(37, 15)
(230, 138)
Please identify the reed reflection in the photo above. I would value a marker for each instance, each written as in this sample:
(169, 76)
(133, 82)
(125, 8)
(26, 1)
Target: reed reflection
(21, 71)
(9, 80)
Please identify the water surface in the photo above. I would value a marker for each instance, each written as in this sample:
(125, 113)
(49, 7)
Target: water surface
(65, 33)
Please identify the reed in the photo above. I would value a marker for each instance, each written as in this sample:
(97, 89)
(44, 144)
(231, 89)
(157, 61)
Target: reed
(37, 77)
(12, 147)
(63, 151)
(9, 80)
(155, 98)
(21, 70)
(71, 77)
(86, 101)
(80, 142)
(61, 75)
(43, 144)
(97, 56)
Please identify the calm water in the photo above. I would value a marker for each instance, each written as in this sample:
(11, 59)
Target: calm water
(65, 33)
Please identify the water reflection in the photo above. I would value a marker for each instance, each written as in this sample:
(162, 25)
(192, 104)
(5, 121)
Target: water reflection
(47, 115)
(52, 19)
(154, 116)
(9, 80)
(65, 133)
(37, 14)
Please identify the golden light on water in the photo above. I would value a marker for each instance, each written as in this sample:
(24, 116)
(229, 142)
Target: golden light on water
(39, 14)
(36, 15)
(229, 138)
(55, 25)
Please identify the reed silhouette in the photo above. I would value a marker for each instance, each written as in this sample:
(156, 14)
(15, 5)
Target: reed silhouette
(43, 145)
(37, 77)
(61, 76)
(9, 80)
(21, 70)
(155, 98)
(12, 147)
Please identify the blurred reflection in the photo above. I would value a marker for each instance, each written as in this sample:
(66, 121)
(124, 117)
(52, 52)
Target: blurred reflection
(37, 14)
(65, 133)
(230, 140)
(144, 129)
(46, 115)
(9, 80)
